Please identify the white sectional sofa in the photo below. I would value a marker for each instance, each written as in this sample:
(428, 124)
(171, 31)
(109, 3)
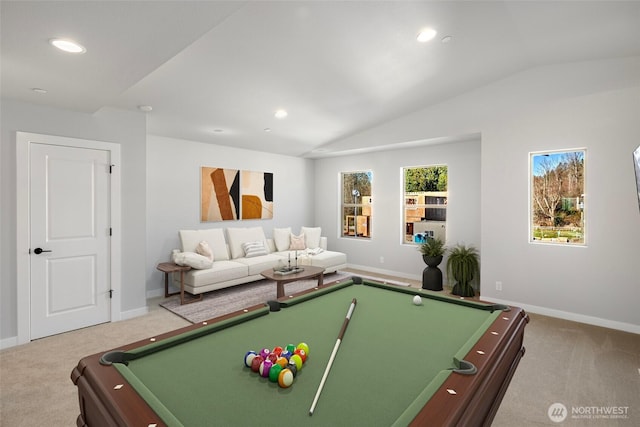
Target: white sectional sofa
(231, 266)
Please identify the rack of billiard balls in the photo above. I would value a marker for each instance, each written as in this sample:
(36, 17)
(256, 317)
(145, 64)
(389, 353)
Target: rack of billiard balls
(279, 365)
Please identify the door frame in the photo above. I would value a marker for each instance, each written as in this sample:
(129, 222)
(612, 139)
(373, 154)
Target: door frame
(23, 226)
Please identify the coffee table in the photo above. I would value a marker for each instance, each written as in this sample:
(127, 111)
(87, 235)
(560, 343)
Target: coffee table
(309, 272)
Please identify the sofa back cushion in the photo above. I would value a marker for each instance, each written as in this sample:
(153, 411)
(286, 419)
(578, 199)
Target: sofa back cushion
(312, 236)
(281, 238)
(237, 236)
(190, 239)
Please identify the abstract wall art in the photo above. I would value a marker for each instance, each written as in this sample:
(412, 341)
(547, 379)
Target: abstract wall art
(219, 194)
(231, 194)
(256, 189)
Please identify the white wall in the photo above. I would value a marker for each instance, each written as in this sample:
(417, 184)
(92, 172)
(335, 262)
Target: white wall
(122, 127)
(173, 193)
(387, 228)
(599, 283)
(593, 105)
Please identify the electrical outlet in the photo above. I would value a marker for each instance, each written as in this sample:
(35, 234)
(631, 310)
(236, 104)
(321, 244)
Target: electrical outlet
(498, 286)
(381, 260)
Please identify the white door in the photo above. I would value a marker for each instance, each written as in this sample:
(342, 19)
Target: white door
(69, 208)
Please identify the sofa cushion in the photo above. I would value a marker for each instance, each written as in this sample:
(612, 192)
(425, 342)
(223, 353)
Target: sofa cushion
(213, 236)
(254, 249)
(238, 236)
(261, 263)
(327, 259)
(281, 237)
(311, 236)
(221, 271)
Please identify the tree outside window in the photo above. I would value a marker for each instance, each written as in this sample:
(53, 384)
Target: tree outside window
(557, 197)
(425, 203)
(356, 204)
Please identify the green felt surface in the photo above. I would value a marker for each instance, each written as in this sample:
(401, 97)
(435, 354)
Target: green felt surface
(391, 352)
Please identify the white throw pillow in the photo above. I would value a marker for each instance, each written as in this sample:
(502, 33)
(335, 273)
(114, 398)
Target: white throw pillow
(192, 259)
(281, 238)
(253, 249)
(204, 250)
(312, 236)
(297, 243)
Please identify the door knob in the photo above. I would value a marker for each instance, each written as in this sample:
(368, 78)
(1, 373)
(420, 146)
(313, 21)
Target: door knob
(38, 251)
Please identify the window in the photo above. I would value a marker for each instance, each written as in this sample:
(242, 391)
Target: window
(425, 203)
(557, 197)
(356, 204)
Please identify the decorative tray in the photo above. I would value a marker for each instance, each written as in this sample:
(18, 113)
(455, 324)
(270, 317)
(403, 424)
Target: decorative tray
(288, 270)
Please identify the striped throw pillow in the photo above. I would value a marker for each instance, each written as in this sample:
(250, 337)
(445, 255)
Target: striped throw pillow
(253, 249)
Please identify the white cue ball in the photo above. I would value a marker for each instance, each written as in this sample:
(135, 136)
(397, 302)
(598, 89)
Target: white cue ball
(417, 300)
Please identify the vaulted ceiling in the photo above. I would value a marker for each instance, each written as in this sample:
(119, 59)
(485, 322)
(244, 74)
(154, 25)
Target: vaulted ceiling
(217, 71)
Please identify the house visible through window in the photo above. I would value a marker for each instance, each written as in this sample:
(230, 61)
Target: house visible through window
(557, 213)
(356, 204)
(425, 203)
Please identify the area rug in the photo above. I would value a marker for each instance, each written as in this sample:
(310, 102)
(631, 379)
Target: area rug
(224, 301)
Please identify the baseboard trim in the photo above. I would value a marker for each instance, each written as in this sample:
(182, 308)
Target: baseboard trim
(385, 272)
(155, 293)
(130, 314)
(574, 317)
(8, 342)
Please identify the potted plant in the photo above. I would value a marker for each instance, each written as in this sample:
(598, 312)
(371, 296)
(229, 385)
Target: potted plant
(463, 265)
(432, 250)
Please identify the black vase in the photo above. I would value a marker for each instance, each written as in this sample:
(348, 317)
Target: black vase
(431, 275)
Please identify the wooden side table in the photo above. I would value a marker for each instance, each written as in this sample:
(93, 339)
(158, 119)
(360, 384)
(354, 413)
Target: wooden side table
(167, 268)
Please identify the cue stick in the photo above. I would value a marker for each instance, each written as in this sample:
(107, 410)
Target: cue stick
(333, 354)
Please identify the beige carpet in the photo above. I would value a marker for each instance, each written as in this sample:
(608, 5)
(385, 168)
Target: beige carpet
(578, 365)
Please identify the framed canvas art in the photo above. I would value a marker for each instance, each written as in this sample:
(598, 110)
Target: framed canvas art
(256, 189)
(219, 194)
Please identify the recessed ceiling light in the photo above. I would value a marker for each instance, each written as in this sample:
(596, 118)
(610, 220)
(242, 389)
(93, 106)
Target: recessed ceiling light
(446, 39)
(426, 35)
(281, 114)
(68, 45)
(145, 108)
(267, 129)
(38, 90)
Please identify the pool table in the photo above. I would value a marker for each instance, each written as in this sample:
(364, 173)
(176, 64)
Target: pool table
(445, 362)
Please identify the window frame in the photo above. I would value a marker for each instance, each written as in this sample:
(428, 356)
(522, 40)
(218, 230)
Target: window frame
(442, 199)
(362, 202)
(579, 201)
